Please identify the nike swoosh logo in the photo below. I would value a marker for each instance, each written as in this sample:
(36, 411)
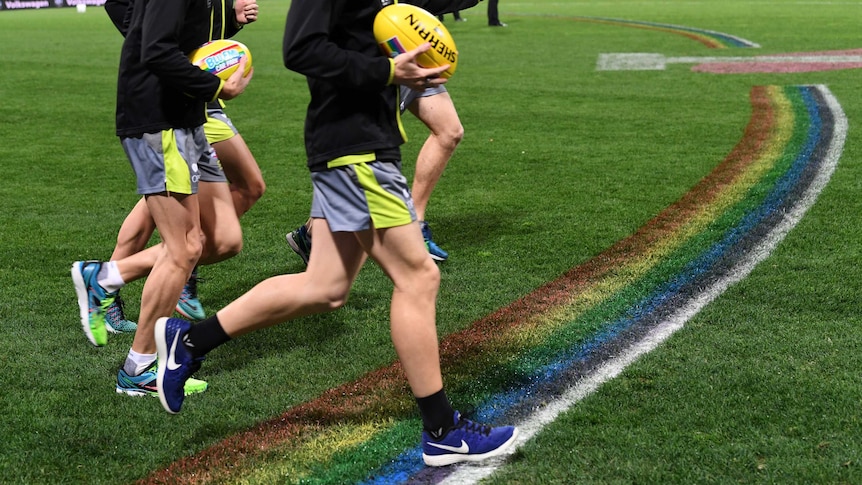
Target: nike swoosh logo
(172, 362)
(463, 449)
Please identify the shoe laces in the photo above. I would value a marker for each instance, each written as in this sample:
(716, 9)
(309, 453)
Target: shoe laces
(473, 427)
(116, 310)
(303, 236)
(190, 290)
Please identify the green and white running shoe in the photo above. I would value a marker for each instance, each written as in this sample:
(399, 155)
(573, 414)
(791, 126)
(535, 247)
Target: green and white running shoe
(145, 384)
(92, 300)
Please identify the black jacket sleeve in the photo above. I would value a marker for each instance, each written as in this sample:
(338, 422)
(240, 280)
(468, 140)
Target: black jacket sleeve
(120, 13)
(162, 29)
(231, 26)
(309, 50)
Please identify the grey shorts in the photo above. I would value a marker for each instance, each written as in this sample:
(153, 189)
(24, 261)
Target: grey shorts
(408, 95)
(218, 126)
(360, 196)
(172, 161)
(210, 167)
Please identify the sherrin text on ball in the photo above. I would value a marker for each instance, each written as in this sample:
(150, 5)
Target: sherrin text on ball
(399, 28)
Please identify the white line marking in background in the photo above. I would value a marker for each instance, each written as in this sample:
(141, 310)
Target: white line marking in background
(472, 473)
(639, 61)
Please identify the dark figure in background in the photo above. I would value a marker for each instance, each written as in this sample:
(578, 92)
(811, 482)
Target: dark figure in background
(494, 15)
(455, 14)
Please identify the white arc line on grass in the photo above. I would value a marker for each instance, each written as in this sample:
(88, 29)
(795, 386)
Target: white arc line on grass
(641, 61)
(529, 427)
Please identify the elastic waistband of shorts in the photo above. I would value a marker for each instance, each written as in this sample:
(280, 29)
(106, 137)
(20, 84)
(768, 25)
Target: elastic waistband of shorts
(352, 159)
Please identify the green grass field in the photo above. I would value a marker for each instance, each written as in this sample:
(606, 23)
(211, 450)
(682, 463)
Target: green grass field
(559, 162)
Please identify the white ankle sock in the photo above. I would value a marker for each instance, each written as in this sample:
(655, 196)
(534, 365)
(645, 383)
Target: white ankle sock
(137, 363)
(109, 277)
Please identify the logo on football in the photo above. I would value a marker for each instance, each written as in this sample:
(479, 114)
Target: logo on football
(221, 57)
(400, 27)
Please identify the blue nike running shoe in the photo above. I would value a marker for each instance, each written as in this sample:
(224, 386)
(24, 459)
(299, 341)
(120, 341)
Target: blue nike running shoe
(176, 364)
(436, 252)
(467, 441)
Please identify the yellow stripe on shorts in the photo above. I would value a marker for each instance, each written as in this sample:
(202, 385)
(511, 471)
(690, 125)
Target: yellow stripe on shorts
(386, 210)
(217, 130)
(177, 177)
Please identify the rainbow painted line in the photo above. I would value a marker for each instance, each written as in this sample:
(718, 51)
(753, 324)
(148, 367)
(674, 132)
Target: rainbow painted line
(709, 38)
(536, 349)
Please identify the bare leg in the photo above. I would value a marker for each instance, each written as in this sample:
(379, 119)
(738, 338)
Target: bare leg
(222, 234)
(177, 218)
(400, 252)
(247, 186)
(135, 232)
(439, 115)
(240, 167)
(323, 287)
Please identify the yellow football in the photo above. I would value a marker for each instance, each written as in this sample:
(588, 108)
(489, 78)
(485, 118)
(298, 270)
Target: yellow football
(400, 27)
(221, 57)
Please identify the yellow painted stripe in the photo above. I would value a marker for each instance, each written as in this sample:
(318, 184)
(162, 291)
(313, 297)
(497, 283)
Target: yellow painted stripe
(301, 460)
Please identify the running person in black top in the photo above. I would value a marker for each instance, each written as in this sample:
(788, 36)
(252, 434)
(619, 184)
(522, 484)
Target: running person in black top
(223, 233)
(361, 207)
(161, 99)
(434, 107)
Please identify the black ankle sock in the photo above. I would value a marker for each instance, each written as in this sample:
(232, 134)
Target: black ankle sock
(205, 336)
(437, 414)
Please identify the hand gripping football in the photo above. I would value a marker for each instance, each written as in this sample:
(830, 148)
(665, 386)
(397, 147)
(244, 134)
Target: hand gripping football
(399, 28)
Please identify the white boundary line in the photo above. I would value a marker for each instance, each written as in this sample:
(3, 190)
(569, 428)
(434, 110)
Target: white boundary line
(645, 61)
(529, 427)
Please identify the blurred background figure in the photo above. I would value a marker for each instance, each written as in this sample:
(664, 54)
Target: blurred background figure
(493, 14)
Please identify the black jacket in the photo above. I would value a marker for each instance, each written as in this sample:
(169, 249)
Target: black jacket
(439, 7)
(353, 107)
(225, 25)
(157, 87)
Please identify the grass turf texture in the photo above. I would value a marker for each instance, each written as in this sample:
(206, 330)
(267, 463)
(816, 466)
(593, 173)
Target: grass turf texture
(559, 163)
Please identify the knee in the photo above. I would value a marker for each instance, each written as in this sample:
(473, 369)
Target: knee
(225, 248)
(427, 278)
(432, 275)
(193, 249)
(220, 248)
(333, 298)
(229, 249)
(336, 297)
(196, 246)
(452, 136)
(254, 190)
